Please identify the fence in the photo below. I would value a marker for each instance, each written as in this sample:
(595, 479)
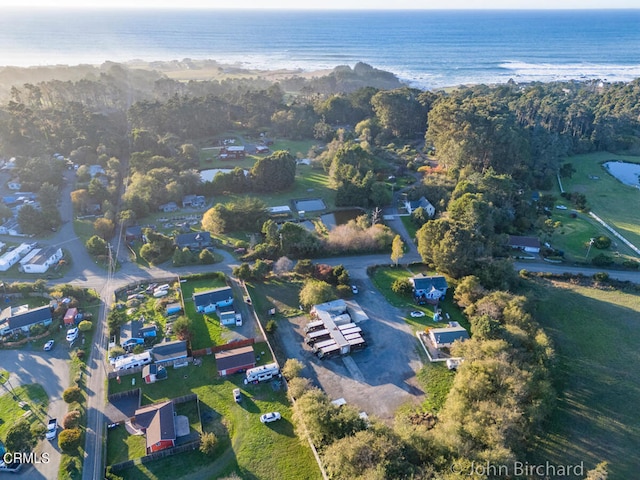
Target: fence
(219, 348)
(128, 393)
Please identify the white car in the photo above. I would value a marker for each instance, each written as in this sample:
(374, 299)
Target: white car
(561, 207)
(49, 345)
(72, 334)
(270, 417)
(354, 289)
(52, 429)
(417, 314)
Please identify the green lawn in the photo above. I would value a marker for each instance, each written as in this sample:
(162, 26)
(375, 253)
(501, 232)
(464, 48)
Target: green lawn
(607, 197)
(207, 330)
(11, 411)
(121, 446)
(436, 380)
(411, 227)
(596, 337)
(246, 446)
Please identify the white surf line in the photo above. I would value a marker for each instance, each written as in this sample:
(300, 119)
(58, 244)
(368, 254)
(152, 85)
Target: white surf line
(611, 229)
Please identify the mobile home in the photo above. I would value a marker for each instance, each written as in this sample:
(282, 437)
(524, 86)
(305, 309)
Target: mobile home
(132, 361)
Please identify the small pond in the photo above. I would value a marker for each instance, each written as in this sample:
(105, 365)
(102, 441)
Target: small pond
(341, 217)
(627, 173)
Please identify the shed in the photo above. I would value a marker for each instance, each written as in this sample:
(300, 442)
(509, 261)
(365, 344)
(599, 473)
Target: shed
(173, 308)
(70, 316)
(236, 360)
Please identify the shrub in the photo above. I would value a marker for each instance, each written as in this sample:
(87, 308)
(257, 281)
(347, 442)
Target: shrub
(292, 368)
(631, 264)
(601, 276)
(402, 286)
(208, 443)
(299, 385)
(602, 260)
(80, 354)
(37, 329)
(69, 440)
(71, 419)
(38, 430)
(19, 437)
(116, 352)
(72, 394)
(602, 242)
(344, 291)
(271, 326)
(85, 326)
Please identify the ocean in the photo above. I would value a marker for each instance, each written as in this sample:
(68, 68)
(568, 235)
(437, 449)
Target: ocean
(427, 49)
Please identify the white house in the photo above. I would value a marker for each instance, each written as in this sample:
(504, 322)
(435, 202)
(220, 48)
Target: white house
(9, 259)
(40, 259)
(528, 244)
(410, 206)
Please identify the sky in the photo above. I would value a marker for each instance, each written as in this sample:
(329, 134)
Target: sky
(328, 4)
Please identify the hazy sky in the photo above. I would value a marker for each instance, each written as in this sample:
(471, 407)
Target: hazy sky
(328, 4)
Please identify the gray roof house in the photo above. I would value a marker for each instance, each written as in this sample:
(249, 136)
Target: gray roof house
(444, 337)
(528, 244)
(429, 288)
(208, 301)
(13, 319)
(193, 240)
(410, 206)
(170, 351)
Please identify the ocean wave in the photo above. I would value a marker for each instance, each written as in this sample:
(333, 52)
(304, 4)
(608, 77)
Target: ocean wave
(565, 71)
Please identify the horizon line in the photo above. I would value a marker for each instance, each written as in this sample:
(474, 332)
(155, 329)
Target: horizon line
(315, 9)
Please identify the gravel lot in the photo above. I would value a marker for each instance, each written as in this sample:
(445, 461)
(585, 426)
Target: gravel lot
(377, 379)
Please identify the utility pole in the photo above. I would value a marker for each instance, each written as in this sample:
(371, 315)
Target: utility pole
(589, 249)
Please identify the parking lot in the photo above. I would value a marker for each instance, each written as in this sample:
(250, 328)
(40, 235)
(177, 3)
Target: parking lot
(379, 378)
(51, 370)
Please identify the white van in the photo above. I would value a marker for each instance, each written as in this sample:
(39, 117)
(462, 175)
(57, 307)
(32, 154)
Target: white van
(133, 361)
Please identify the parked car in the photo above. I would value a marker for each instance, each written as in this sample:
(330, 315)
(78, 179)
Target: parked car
(49, 345)
(354, 289)
(52, 429)
(72, 334)
(417, 314)
(270, 417)
(237, 395)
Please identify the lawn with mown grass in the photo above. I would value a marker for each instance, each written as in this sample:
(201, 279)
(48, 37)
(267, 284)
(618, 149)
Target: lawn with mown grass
(383, 278)
(35, 410)
(606, 196)
(206, 328)
(122, 446)
(246, 446)
(596, 334)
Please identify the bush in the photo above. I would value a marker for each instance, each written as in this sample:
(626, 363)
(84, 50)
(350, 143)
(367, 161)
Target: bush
(37, 329)
(208, 443)
(72, 394)
(69, 440)
(602, 260)
(38, 430)
(85, 326)
(602, 242)
(402, 286)
(80, 354)
(344, 291)
(19, 437)
(271, 326)
(631, 264)
(299, 385)
(71, 420)
(292, 368)
(116, 352)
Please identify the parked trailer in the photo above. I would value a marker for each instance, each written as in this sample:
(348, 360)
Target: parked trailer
(262, 373)
(328, 352)
(352, 336)
(347, 326)
(316, 336)
(314, 326)
(323, 344)
(351, 330)
(357, 344)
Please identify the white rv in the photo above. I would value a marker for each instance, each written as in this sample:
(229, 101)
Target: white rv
(132, 361)
(262, 373)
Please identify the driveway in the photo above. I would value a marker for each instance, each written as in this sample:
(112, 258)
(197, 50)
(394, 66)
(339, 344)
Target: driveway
(51, 370)
(378, 379)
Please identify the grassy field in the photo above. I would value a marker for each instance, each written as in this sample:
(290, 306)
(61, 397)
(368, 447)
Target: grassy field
(11, 411)
(596, 337)
(607, 197)
(246, 446)
(207, 330)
